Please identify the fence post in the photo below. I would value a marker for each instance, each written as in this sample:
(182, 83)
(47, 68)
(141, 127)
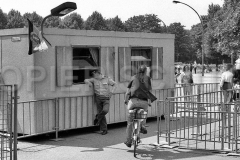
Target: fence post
(168, 121)
(235, 127)
(57, 121)
(198, 107)
(173, 107)
(158, 116)
(223, 126)
(229, 124)
(15, 122)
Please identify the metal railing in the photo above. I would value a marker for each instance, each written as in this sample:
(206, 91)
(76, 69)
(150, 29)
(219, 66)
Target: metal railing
(200, 121)
(8, 127)
(53, 115)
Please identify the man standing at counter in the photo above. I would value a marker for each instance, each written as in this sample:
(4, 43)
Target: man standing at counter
(103, 93)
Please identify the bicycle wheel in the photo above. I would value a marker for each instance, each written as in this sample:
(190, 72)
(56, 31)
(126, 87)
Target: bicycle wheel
(135, 147)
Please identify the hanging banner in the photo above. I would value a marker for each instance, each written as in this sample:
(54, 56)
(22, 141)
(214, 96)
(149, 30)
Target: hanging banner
(37, 43)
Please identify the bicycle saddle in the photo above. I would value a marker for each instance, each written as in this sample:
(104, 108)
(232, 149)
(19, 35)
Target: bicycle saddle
(138, 111)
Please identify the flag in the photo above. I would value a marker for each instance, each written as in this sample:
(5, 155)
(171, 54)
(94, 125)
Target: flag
(37, 43)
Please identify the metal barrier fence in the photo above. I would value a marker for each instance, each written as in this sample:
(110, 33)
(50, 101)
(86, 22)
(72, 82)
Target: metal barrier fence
(200, 121)
(65, 113)
(8, 127)
(192, 89)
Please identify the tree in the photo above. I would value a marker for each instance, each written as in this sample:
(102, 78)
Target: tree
(115, 24)
(72, 21)
(34, 17)
(221, 32)
(52, 22)
(3, 19)
(95, 22)
(196, 41)
(144, 23)
(15, 19)
(183, 51)
(209, 40)
(228, 30)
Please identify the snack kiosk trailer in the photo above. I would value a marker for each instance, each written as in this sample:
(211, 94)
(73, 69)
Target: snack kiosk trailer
(52, 95)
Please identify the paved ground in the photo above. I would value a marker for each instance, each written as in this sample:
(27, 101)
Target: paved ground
(213, 77)
(88, 144)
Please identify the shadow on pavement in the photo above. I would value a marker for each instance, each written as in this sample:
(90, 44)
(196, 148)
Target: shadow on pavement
(146, 151)
(90, 137)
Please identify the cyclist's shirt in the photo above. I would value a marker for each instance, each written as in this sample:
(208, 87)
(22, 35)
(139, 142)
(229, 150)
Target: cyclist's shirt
(137, 88)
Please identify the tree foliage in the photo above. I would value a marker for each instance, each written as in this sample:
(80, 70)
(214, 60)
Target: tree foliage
(52, 22)
(183, 50)
(227, 31)
(15, 19)
(95, 22)
(3, 19)
(144, 23)
(115, 24)
(221, 31)
(72, 21)
(34, 17)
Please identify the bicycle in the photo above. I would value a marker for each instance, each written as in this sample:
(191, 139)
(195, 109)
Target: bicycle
(139, 115)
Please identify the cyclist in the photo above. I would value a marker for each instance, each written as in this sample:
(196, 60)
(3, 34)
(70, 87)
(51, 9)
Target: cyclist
(135, 97)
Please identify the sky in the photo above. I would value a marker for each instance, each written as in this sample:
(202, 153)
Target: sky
(167, 11)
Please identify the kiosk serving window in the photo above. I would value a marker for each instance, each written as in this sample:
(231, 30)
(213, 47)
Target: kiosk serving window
(140, 56)
(74, 65)
(85, 60)
(131, 58)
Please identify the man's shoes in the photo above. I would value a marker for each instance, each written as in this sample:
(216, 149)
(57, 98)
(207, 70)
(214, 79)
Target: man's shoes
(143, 130)
(95, 122)
(104, 132)
(128, 144)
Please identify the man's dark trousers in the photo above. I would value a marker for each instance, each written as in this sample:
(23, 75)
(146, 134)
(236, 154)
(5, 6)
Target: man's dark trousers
(103, 108)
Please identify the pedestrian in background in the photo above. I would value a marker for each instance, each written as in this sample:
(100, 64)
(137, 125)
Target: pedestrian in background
(187, 81)
(226, 83)
(179, 76)
(236, 91)
(177, 73)
(195, 67)
(191, 67)
(103, 94)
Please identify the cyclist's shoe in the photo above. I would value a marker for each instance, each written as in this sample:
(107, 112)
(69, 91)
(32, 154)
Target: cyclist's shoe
(128, 143)
(143, 130)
